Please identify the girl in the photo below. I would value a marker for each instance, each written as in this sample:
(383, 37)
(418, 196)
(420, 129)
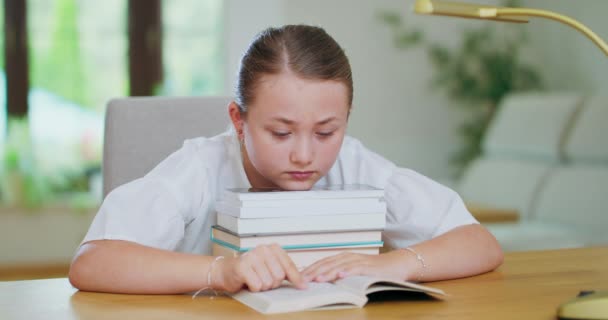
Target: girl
(293, 99)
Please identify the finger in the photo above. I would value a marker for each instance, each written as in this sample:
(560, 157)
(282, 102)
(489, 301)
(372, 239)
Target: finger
(291, 271)
(275, 266)
(255, 271)
(327, 265)
(312, 270)
(260, 266)
(341, 271)
(252, 279)
(339, 268)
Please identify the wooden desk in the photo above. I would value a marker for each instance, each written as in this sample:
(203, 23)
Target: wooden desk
(529, 285)
(485, 214)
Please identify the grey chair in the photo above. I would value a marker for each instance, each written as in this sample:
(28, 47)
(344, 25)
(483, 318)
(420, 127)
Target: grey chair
(141, 131)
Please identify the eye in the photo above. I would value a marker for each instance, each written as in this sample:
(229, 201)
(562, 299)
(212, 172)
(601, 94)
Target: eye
(281, 134)
(325, 134)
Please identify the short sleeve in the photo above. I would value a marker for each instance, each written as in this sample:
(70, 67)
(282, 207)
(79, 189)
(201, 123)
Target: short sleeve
(154, 210)
(420, 209)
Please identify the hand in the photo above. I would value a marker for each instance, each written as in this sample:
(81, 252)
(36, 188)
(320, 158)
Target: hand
(342, 265)
(260, 269)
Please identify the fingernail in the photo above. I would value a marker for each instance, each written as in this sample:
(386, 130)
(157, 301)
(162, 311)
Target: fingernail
(342, 274)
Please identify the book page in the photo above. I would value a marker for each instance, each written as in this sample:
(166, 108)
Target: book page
(366, 285)
(289, 299)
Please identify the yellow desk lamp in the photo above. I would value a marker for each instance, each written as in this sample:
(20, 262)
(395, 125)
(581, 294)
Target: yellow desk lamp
(487, 12)
(591, 305)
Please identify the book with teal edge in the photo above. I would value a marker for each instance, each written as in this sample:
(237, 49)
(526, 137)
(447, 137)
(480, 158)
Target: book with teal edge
(302, 246)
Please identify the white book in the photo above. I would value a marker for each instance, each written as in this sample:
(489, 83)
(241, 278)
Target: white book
(306, 207)
(348, 191)
(344, 293)
(301, 258)
(312, 202)
(297, 240)
(321, 223)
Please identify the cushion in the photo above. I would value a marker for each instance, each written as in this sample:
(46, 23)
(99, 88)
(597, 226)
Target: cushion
(531, 125)
(536, 236)
(587, 139)
(503, 183)
(576, 197)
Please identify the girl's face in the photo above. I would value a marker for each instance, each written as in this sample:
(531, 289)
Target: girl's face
(293, 131)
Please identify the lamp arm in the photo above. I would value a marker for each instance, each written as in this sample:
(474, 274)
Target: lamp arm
(499, 12)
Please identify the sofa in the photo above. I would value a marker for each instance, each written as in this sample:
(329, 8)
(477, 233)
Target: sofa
(545, 156)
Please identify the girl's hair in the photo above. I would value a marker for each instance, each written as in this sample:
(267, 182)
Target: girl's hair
(307, 51)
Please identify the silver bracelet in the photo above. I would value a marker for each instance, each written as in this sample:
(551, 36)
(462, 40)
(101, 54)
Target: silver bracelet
(422, 262)
(218, 258)
(209, 283)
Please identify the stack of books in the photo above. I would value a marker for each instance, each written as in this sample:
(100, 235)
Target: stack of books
(309, 225)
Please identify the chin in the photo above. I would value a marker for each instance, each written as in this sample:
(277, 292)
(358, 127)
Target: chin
(297, 185)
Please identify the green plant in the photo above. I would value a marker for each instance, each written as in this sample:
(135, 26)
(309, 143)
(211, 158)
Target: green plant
(22, 185)
(478, 73)
(23, 182)
(63, 57)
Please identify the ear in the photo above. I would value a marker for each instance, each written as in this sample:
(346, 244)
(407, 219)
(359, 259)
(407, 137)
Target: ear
(236, 118)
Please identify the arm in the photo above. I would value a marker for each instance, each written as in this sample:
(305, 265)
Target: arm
(126, 267)
(461, 252)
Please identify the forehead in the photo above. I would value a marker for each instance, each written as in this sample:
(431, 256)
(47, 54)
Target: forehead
(288, 93)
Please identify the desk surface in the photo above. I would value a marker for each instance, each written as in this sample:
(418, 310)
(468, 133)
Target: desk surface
(529, 285)
(485, 214)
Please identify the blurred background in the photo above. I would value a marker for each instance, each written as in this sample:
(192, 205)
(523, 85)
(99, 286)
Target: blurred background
(426, 89)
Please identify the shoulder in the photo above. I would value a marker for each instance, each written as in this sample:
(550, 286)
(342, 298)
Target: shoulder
(208, 151)
(193, 162)
(354, 150)
(372, 168)
(358, 164)
(212, 145)
(408, 181)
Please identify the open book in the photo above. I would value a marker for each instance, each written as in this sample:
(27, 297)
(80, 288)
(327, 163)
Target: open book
(349, 292)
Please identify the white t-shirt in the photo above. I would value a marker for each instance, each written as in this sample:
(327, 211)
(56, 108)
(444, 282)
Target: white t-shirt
(172, 207)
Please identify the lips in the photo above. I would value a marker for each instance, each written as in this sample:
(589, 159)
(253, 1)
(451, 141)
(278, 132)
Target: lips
(301, 175)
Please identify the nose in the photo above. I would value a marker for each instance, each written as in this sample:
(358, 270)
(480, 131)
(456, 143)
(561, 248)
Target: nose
(302, 152)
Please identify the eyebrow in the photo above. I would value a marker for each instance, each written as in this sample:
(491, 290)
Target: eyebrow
(290, 122)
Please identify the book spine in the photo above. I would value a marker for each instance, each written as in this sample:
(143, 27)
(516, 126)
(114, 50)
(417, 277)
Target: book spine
(302, 258)
(321, 223)
(300, 210)
(308, 238)
(309, 203)
(306, 246)
(295, 195)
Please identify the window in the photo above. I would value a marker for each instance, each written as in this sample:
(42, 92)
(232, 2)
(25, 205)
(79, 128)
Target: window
(77, 62)
(192, 47)
(2, 82)
(79, 56)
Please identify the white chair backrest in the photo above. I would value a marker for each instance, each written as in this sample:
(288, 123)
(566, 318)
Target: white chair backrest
(141, 131)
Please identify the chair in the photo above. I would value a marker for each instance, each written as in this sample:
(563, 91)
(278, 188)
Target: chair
(141, 131)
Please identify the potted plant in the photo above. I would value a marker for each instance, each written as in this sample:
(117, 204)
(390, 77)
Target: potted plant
(22, 185)
(476, 74)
